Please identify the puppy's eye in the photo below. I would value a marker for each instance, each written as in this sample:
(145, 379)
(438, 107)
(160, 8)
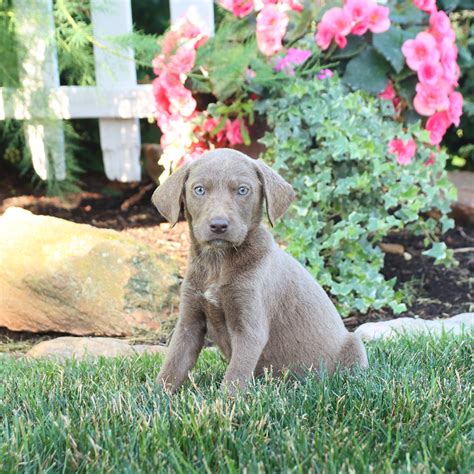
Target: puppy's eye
(199, 190)
(243, 190)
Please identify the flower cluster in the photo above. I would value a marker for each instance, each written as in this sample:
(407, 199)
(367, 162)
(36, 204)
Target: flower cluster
(357, 17)
(272, 20)
(432, 54)
(186, 132)
(175, 104)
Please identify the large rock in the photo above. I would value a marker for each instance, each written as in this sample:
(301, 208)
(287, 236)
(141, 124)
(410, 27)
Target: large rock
(58, 276)
(402, 326)
(64, 348)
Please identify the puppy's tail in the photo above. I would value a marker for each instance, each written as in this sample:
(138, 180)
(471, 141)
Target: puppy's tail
(352, 353)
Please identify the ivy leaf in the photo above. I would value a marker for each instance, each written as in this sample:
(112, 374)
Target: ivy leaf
(438, 251)
(367, 71)
(389, 44)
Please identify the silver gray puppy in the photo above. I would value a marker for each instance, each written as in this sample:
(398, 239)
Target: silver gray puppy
(257, 303)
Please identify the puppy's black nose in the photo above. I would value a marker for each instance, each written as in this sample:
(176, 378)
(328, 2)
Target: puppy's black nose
(219, 225)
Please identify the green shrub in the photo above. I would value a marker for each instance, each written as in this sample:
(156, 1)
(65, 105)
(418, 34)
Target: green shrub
(332, 145)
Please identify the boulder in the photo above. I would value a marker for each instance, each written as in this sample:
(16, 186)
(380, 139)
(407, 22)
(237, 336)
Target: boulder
(401, 326)
(59, 276)
(64, 348)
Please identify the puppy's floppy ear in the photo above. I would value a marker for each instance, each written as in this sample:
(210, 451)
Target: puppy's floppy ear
(278, 193)
(168, 197)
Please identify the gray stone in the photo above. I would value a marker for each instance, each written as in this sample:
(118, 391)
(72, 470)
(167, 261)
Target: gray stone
(401, 326)
(64, 348)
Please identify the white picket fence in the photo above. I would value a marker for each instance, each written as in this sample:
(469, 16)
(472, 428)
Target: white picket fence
(116, 100)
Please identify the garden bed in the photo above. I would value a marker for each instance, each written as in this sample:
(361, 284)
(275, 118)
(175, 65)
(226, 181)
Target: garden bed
(435, 291)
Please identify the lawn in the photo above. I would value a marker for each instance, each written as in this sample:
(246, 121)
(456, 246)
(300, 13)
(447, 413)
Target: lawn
(411, 411)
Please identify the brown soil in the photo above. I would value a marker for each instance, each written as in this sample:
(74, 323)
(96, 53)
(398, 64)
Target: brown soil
(437, 292)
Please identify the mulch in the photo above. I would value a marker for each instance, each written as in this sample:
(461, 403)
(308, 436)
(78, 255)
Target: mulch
(436, 291)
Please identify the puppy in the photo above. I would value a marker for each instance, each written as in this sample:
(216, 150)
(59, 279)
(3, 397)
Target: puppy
(254, 301)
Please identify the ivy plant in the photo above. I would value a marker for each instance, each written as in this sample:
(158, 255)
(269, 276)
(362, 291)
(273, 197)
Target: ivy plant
(332, 145)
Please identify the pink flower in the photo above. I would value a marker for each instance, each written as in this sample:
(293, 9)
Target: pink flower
(324, 74)
(455, 107)
(271, 27)
(294, 5)
(419, 50)
(239, 8)
(403, 151)
(437, 125)
(440, 27)
(294, 57)
(182, 101)
(426, 5)
(388, 93)
(182, 61)
(449, 54)
(335, 23)
(430, 99)
(324, 36)
(233, 132)
(210, 125)
(378, 18)
(430, 72)
(358, 10)
(430, 161)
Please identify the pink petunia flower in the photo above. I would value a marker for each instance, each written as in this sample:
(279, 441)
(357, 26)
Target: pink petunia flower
(449, 54)
(403, 151)
(420, 50)
(294, 57)
(430, 161)
(359, 12)
(239, 8)
(437, 125)
(324, 74)
(335, 23)
(430, 72)
(388, 93)
(182, 61)
(324, 36)
(233, 132)
(378, 18)
(455, 107)
(426, 5)
(271, 28)
(440, 27)
(430, 99)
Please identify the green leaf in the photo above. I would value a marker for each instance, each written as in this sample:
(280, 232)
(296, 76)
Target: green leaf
(389, 44)
(406, 13)
(355, 44)
(406, 88)
(437, 251)
(245, 134)
(367, 71)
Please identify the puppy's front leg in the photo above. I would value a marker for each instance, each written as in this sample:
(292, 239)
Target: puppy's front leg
(249, 332)
(186, 343)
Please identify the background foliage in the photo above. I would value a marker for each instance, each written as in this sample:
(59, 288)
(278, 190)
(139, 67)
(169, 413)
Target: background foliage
(331, 144)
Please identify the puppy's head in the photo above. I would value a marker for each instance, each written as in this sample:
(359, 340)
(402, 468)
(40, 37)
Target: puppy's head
(223, 193)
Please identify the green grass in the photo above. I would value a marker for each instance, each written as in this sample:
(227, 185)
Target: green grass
(410, 412)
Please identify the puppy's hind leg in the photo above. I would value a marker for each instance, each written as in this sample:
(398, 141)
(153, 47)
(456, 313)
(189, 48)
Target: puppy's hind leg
(352, 353)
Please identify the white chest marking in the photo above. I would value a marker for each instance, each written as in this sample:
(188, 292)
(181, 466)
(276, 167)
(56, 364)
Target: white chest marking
(212, 295)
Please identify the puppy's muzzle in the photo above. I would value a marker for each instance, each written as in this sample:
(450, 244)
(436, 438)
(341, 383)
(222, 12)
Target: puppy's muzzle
(219, 225)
